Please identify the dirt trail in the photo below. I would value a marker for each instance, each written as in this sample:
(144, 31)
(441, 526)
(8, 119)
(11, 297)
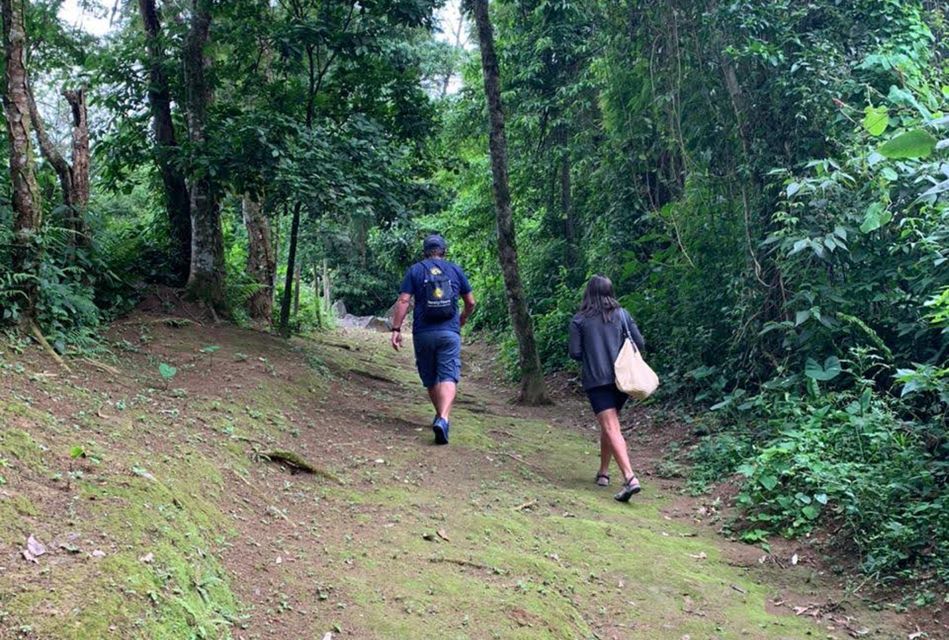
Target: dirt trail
(162, 516)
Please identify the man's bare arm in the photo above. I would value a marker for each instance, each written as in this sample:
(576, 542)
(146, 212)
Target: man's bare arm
(469, 301)
(398, 317)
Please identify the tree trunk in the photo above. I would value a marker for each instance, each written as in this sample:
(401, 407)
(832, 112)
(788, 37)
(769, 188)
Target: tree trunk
(533, 388)
(27, 209)
(291, 267)
(297, 276)
(261, 263)
(79, 200)
(73, 178)
(206, 277)
(569, 225)
(177, 202)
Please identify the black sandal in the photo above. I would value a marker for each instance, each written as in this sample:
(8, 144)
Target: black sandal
(602, 480)
(630, 488)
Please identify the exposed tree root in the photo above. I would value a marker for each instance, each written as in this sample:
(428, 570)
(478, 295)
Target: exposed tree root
(296, 462)
(34, 328)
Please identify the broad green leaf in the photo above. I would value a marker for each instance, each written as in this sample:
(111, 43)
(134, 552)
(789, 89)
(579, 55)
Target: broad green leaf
(876, 120)
(801, 317)
(768, 482)
(876, 217)
(829, 371)
(77, 452)
(167, 371)
(890, 174)
(793, 188)
(821, 498)
(811, 511)
(917, 143)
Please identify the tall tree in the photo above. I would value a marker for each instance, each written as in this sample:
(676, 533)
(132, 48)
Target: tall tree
(206, 276)
(533, 388)
(177, 199)
(261, 260)
(27, 208)
(74, 176)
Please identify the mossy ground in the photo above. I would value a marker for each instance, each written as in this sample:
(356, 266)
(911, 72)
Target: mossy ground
(171, 524)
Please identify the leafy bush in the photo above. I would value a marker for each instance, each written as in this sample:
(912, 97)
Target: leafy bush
(847, 462)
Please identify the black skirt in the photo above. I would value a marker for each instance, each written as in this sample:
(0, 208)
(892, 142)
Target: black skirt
(606, 397)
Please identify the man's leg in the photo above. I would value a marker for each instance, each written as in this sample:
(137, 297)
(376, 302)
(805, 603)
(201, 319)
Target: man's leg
(443, 397)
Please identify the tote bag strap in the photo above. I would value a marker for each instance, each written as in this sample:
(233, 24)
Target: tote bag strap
(626, 332)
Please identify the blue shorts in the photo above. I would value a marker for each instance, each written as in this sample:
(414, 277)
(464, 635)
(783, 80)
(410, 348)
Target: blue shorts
(438, 357)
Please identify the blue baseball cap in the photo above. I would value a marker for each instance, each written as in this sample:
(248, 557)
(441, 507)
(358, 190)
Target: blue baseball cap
(434, 242)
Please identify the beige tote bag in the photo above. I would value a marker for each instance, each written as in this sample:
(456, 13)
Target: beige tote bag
(633, 376)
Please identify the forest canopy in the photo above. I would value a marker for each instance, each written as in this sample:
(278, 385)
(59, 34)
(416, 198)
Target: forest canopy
(766, 184)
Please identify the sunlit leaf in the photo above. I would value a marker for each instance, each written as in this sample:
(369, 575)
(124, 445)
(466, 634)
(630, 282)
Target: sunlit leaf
(917, 143)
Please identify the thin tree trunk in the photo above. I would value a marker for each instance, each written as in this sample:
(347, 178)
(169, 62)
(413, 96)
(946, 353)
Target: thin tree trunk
(79, 199)
(73, 178)
(533, 388)
(566, 206)
(297, 277)
(291, 267)
(206, 277)
(177, 200)
(261, 262)
(327, 287)
(317, 300)
(27, 209)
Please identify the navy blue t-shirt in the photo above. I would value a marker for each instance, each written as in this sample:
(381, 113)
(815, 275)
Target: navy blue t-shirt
(414, 284)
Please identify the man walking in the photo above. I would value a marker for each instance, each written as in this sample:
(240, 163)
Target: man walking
(436, 284)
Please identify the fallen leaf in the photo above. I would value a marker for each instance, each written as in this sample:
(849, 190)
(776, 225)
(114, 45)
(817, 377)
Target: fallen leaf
(34, 549)
(98, 553)
(698, 556)
(794, 559)
(444, 536)
(148, 558)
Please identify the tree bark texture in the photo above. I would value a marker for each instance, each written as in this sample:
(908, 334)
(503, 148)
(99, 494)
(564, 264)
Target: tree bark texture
(206, 277)
(572, 253)
(73, 177)
(27, 209)
(533, 388)
(261, 261)
(291, 264)
(177, 199)
(297, 277)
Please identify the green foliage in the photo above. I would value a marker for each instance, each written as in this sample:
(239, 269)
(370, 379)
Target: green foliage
(844, 459)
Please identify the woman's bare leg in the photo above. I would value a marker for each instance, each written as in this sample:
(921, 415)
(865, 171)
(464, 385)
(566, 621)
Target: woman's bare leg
(605, 454)
(610, 430)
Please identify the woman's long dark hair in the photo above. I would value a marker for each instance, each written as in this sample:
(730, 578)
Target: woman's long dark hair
(598, 299)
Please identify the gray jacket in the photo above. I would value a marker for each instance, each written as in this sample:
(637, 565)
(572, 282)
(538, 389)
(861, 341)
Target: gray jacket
(596, 344)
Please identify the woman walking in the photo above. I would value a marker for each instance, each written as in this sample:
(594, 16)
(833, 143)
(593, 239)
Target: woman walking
(597, 333)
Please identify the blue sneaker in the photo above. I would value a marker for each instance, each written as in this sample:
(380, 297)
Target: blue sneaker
(440, 426)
